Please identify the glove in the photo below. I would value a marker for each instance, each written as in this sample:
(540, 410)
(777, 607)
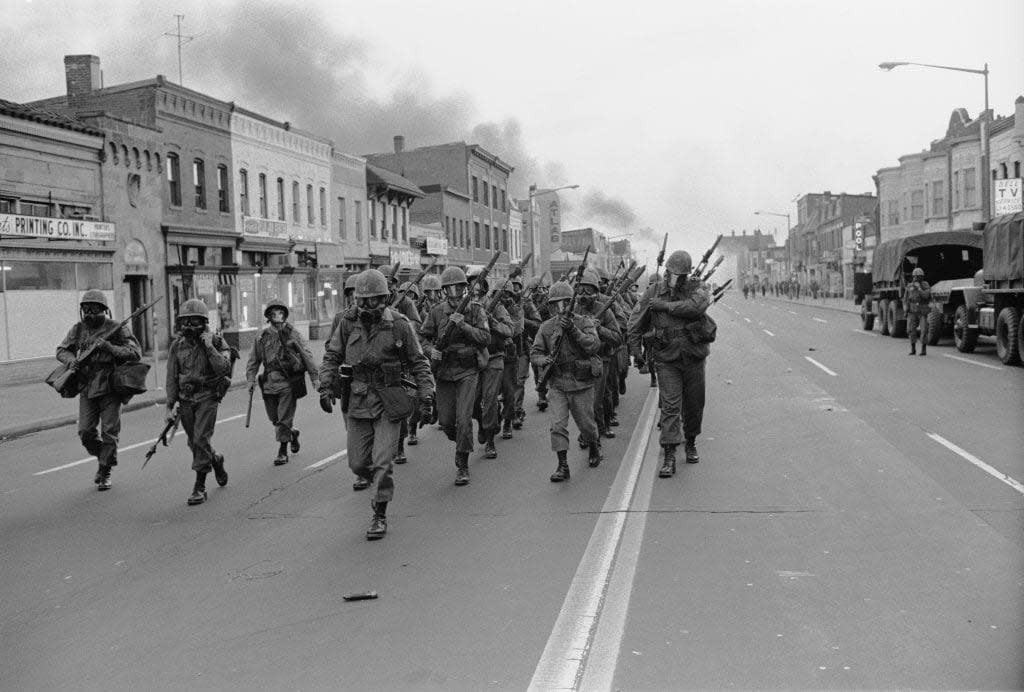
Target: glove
(435, 354)
(427, 410)
(207, 339)
(326, 402)
(548, 360)
(252, 387)
(565, 322)
(169, 416)
(457, 318)
(102, 345)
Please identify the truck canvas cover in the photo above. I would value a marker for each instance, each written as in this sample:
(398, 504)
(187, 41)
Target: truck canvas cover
(1004, 248)
(888, 257)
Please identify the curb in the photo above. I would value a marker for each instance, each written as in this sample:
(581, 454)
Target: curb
(50, 423)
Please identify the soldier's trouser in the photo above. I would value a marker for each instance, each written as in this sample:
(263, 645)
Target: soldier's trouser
(372, 444)
(105, 412)
(198, 420)
(522, 373)
(581, 405)
(488, 388)
(611, 385)
(601, 410)
(509, 375)
(281, 412)
(455, 410)
(913, 322)
(681, 389)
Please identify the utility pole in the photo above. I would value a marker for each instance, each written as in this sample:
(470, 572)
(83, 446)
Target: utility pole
(179, 36)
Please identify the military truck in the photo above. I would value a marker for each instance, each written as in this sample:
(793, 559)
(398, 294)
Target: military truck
(943, 255)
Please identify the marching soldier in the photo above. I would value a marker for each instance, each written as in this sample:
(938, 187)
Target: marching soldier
(198, 376)
(531, 323)
(405, 306)
(364, 363)
(458, 366)
(608, 333)
(489, 383)
(286, 359)
(568, 342)
(99, 406)
(511, 299)
(431, 295)
(917, 305)
(676, 311)
(540, 302)
(410, 293)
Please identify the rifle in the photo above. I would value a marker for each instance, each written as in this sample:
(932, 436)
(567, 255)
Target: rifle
(620, 289)
(248, 410)
(622, 280)
(65, 378)
(167, 434)
(496, 296)
(442, 340)
(416, 282)
(721, 258)
(661, 261)
(719, 292)
(561, 334)
(707, 256)
(394, 270)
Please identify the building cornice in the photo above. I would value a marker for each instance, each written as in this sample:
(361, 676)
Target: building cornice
(56, 134)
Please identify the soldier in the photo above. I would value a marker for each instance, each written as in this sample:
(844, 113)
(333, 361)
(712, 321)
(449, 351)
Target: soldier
(410, 293)
(286, 359)
(611, 338)
(457, 367)
(531, 323)
(406, 306)
(489, 382)
(99, 406)
(198, 375)
(431, 295)
(349, 294)
(917, 305)
(540, 302)
(676, 310)
(374, 345)
(576, 369)
(511, 300)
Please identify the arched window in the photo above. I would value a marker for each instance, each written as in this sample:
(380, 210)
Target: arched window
(113, 153)
(136, 157)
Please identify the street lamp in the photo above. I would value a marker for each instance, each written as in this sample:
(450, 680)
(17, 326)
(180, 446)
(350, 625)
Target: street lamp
(775, 213)
(534, 238)
(986, 179)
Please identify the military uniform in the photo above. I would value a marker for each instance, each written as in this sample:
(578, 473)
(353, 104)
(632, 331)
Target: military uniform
(917, 305)
(543, 313)
(491, 378)
(531, 324)
(510, 373)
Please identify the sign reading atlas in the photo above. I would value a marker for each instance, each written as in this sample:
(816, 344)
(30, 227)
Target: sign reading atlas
(58, 229)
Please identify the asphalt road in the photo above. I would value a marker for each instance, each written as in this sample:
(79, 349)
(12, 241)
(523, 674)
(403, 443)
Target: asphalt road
(825, 540)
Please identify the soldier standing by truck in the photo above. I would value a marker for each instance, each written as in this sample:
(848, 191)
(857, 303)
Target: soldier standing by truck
(916, 305)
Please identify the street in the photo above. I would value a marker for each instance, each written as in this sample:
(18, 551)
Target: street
(856, 521)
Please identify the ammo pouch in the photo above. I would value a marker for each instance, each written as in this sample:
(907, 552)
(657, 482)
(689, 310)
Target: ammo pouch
(586, 368)
(129, 379)
(511, 349)
(399, 401)
(703, 330)
(298, 385)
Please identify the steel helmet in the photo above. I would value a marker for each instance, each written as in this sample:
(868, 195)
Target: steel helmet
(94, 296)
(517, 281)
(410, 288)
(350, 282)
(371, 283)
(679, 262)
(917, 272)
(533, 283)
(431, 282)
(194, 308)
(275, 304)
(475, 270)
(603, 274)
(452, 276)
(589, 278)
(560, 290)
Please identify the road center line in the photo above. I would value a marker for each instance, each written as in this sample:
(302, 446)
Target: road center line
(995, 473)
(791, 312)
(818, 319)
(746, 319)
(821, 366)
(972, 362)
(122, 449)
(327, 460)
(767, 332)
(561, 665)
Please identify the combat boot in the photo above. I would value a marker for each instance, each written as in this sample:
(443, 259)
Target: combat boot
(400, 455)
(613, 421)
(461, 468)
(506, 430)
(562, 472)
(913, 348)
(295, 441)
(595, 457)
(691, 451)
(668, 466)
(924, 349)
(517, 422)
(608, 432)
(542, 402)
(412, 440)
(103, 477)
(361, 483)
(282, 454)
(489, 451)
(379, 523)
(198, 495)
(218, 470)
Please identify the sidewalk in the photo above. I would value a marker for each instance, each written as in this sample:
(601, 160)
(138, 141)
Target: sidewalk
(29, 408)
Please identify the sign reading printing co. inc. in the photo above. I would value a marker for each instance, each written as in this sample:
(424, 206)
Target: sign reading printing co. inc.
(1007, 196)
(57, 229)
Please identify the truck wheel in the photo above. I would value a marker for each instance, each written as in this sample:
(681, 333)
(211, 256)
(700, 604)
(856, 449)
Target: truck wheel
(867, 319)
(934, 327)
(965, 338)
(897, 326)
(1008, 336)
(883, 314)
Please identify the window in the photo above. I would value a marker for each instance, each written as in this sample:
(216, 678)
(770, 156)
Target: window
(938, 198)
(174, 179)
(956, 189)
(504, 239)
(6, 206)
(359, 220)
(476, 194)
(1004, 169)
(341, 217)
(394, 222)
(280, 199)
(309, 204)
(448, 229)
(295, 202)
(33, 208)
(504, 202)
(893, 217)
(476, 234)
(199, 183)
(487, 235)
(323, 207)
(383, 220)
(243, 191)
(970, 187)
(1016, 169)
(494, 196)
(263, 195)
(487, 199)
(222, 187)
(916, 205)
(405, 224)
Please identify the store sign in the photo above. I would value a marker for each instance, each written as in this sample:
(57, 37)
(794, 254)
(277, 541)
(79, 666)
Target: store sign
(407, 257)
(57, 229)
(264, 228)
(1007, 196)
(858, 236)
(437, 246)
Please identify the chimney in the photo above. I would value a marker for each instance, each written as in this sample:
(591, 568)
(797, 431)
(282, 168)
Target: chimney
(82, 73)
(399, 144)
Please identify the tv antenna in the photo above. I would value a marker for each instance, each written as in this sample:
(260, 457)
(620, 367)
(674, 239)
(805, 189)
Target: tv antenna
(180, 36)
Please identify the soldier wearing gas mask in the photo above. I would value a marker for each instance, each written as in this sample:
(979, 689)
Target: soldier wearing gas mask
(542, 311)
(285, 359)
(511, 300)
(917, 304)
(431, 285)
(611, 338)
(99, 406)
(531, 323)
(676, 309)
(363, 365)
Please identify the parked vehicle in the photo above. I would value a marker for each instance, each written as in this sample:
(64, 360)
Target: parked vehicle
(944, 256)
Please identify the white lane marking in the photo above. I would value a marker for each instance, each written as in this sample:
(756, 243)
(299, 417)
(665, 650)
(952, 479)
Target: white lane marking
(767, 332)
(122, 449)
(327, 460)
(565, 654)
(746, 319)
(995, 473)
(820, 366)
(818, 319)
(790, 312)
(862, 331)
(972, 362)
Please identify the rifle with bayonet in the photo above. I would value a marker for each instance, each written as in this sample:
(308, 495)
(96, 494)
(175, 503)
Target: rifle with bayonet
(707, 256)
(496, 296)
(167, 434)
(65, 377)
(704, 279)
(661, 261)
(557, 346)
(622, 288)
(623, 280)
(719, 292)
(415, 282)
(446, 334)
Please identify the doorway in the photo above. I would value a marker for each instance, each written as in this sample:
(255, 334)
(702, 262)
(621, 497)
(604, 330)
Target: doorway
(138, 293)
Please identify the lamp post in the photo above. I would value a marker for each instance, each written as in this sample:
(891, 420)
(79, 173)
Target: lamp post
(534, 238)
(776, 213)
(986, 181)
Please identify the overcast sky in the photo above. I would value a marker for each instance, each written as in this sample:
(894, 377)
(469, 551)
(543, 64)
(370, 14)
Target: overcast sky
(680, 117)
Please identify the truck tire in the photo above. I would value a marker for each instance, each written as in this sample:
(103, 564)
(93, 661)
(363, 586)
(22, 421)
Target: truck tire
(1008, 336)
(897, 326)
(883, 314)
(934, 327)
(867, 319)
(965, 338)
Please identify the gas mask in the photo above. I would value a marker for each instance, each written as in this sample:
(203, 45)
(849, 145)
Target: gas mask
(276, 318)
(588, 295)
(508, 298)
(432, 296)
(370, 309)
(454, 293)
(672, 280)
(540, 295)
(192, 327)
(560, 307)
(93, 314)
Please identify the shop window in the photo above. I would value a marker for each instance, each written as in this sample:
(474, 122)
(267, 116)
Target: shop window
(33, 208)
(263, 195)
(174, 179)
(92, 275)
(6, 205)
(243, 191)
(222, 188)
(280, 199)
(199, 182)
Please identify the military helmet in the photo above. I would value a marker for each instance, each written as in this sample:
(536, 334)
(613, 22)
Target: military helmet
(603, 274)
(517, 281)
(275, 304)
(589, 278)
(452, 276)
(410, 288)
(679, 262)
(194, 308)
(431, 282)
(94, 296)
(917, 272)
(533, 283)
(371, 283)
(560, 290)
(350, 282)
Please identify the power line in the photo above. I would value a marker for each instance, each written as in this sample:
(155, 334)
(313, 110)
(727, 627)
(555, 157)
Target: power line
(180, 36)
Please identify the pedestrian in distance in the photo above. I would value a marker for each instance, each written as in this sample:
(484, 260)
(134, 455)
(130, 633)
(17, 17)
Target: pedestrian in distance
(285, 360)
(917, 304)
(199, 365)
(676, 309)
(99, 405)
(363, 367)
